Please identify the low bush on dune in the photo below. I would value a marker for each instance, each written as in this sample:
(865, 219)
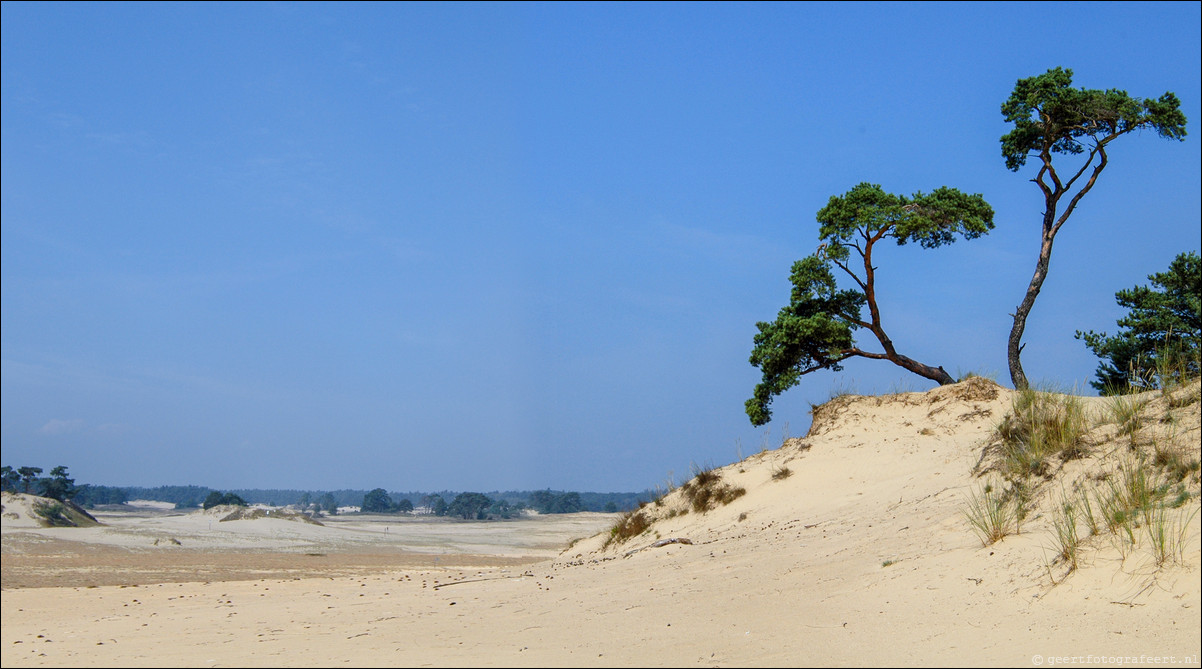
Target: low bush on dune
(706, 490)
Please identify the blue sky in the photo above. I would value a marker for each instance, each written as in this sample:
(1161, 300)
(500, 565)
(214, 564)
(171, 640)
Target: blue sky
(497, 246)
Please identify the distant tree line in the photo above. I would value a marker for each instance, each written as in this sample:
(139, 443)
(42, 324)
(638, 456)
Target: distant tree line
(450, 503)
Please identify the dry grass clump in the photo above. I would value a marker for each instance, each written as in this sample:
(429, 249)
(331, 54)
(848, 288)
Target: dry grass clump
(1127, 413)
(706, 490)
(1040, 427)
(993, 514)
(629, 525)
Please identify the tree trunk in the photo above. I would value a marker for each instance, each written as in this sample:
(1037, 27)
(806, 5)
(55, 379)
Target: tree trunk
(936, 374)
(1014, 347)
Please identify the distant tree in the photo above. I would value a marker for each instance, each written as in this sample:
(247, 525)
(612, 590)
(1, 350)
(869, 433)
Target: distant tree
(9, 478)
(499, 509)
(1161, 333)
(1050, 117)
(377, 501)
(28, 475)
(212, 500)
(610, 507)
(541, 500)
(568, 502)
(328, 504)
(59, 486)
(469, 505)
(436, 504)
(404, 506)
(304, 502)
(815, 331)
(219, 499)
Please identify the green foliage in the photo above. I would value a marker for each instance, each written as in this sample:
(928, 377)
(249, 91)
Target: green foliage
(500, 508)
(867, 212)
(814, 332)
(816, 329)
(54, 514)
(59, 486)
(328, 503)
(1160, 336)
(9, 478)
(436, 504)
(377, 501)
(545, 501)
(89, 496)
(1051, 116)
(28, 475)
(219, 499)
(470, 506)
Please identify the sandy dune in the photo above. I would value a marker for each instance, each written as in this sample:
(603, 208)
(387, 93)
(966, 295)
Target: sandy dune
(860, 555)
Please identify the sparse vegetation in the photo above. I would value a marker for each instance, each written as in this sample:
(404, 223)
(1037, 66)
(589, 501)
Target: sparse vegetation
(1126, 411)
(781, 473)
(53, 513)
(706, 490)
(1064, 526)
(1135, 502)
(630, 525)
(992, 515)
(1040, 427)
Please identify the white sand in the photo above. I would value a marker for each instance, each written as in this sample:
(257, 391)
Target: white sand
(862, 555)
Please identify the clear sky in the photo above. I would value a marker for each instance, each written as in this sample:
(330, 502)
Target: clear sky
(495, 246)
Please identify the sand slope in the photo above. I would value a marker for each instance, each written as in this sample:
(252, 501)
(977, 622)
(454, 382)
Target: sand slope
(860, 555)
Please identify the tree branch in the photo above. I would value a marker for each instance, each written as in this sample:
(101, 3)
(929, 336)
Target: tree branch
(1084, 189)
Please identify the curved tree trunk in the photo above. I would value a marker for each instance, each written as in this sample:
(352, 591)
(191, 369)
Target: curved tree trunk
(936, 374)
(1014, 347)
(1051, 225)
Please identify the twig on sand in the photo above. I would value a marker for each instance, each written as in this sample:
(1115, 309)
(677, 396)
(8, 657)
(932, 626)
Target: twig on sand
(661, 542)
(478, 580)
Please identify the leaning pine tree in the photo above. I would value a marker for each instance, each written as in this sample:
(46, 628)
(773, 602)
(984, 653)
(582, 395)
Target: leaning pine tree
(815, 331)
